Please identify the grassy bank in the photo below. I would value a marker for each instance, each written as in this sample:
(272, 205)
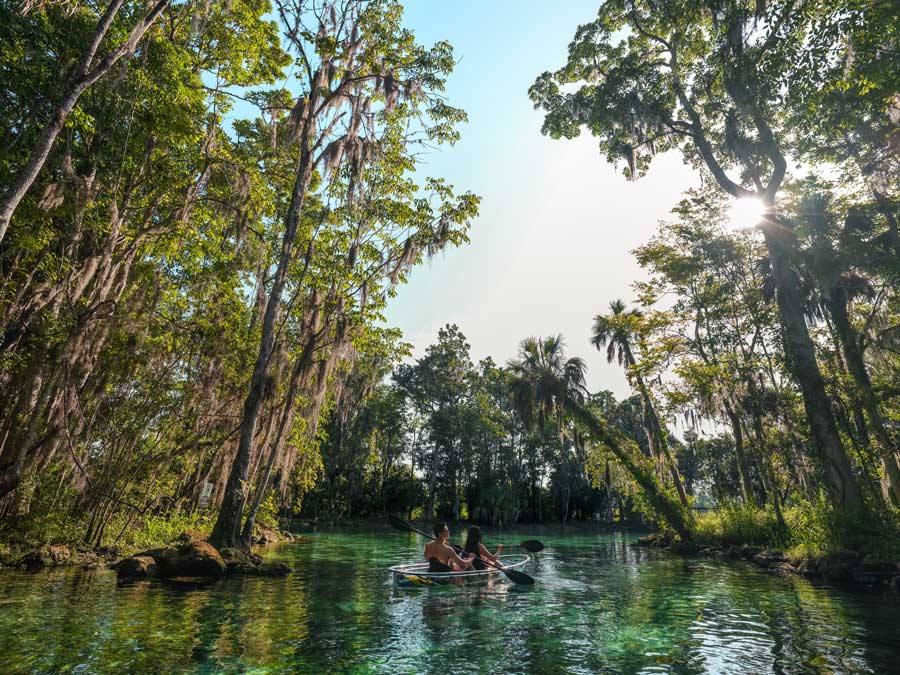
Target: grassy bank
(134, 533)
(810, 529)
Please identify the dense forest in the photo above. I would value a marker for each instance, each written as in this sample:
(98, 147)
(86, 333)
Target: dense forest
(206, 208)
(202, 221)
(449, 438)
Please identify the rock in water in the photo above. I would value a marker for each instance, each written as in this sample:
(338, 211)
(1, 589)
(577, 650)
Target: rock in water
(33, 561)
(767, 559)
(194, 558)
(838, 566)
(138, 567)
(654, 539)
(248, 564)
(58, 554)
(195, 561)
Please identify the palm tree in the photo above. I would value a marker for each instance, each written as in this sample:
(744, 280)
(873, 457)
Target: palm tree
(545, 386)
(615, 332)
(551, 380)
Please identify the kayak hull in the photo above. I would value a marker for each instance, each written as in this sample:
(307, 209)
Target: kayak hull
(416, 575)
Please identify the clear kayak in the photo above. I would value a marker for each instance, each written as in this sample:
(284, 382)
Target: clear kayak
(416, 575)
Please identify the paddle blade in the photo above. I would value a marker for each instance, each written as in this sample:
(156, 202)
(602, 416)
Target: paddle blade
(532, 545)
(400, 524)
(519, 577)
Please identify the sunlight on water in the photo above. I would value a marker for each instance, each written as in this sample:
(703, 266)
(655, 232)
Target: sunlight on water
(600, 605)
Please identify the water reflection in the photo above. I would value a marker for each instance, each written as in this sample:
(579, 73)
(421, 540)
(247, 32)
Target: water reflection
(600, 605)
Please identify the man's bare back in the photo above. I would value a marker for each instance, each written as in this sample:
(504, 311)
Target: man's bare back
(443, 554)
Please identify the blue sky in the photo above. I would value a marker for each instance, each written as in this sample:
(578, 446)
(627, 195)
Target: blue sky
(552, 245)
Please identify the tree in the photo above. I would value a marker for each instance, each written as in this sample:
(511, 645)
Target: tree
(351, 55)
(166, 277)
(703, 78)
(98, 265)
(841, 99)
(89, 69)
(439, 387)
(548, 387)
(615, 332)
(837, 284)
(720, 315)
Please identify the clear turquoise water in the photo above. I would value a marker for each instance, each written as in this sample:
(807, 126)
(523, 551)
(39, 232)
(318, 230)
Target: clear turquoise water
(601, 605)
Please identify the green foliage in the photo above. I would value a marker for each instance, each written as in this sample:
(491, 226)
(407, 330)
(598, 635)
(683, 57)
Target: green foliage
(739, 88)
(48, 520)
(447, 438)
(817, 529)
(53, 517)
(267, 515)
(812, 529)
(151, 530)
(137, 269)
(735, 524)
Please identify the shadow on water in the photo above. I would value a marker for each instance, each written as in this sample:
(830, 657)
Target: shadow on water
(601, 605)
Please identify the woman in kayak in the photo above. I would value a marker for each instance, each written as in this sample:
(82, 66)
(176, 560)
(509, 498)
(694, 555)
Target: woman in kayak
(440, 556)
(475, 547)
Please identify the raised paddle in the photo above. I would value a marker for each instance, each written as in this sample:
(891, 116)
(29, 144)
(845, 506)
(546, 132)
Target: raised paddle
(514, 575)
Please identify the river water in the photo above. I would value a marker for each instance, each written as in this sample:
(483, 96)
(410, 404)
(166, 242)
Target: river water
(600, 605)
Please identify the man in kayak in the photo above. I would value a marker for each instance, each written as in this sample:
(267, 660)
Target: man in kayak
(440, 555)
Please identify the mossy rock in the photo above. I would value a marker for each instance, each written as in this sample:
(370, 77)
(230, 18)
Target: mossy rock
(137, 567)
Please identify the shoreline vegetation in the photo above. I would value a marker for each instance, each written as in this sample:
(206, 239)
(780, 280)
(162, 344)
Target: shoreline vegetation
(188, 555)
(812, 543)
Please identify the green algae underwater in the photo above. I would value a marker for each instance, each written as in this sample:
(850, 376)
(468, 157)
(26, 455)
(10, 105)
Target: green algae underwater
(600, 605)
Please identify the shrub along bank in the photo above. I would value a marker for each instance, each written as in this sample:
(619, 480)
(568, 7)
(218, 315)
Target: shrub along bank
(814, 540)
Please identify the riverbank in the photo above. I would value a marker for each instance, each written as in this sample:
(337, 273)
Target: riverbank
(188, 555)
(850, 569)
(851, 547)
(38, 557)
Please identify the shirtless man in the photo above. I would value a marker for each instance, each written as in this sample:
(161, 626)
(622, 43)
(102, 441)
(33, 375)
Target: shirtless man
(440, 556)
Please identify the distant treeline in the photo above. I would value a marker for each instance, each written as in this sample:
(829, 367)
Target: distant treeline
(445, 439)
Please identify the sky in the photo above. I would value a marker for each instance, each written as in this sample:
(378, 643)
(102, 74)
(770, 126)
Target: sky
(552, 244)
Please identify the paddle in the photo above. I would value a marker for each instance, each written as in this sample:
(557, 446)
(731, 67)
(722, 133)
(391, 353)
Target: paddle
(514, 575)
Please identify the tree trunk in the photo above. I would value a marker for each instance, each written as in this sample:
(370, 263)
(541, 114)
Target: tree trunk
(841, 484)
(226, 530)
(766, 473)
(432, 484)
(671, 512)
(842, 487)
(837, 305)
(743, 469)
(663, 441)
(659, 435)
(284, 423)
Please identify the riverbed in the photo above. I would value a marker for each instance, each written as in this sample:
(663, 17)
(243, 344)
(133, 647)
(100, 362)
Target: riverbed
(600, 605)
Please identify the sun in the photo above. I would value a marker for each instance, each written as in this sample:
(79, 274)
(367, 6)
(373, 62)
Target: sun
(745, 213)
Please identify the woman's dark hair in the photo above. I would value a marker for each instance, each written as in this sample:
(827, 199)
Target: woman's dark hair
(439, 528)
(473, 538)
